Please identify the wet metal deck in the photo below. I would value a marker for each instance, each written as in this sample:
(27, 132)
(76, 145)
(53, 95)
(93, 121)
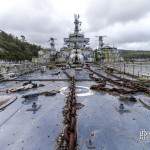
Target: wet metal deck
(98, 120)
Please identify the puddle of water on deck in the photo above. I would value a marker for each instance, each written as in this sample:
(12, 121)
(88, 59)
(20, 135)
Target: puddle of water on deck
(80, 90)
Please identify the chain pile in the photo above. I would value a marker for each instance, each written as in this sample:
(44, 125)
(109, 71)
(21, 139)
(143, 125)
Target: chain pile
(67, 140)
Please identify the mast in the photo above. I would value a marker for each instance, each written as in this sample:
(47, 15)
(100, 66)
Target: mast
(52, 43)
(77, 23)
(100, 41)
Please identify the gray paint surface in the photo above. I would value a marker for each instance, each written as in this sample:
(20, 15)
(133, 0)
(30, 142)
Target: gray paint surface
(111, 130)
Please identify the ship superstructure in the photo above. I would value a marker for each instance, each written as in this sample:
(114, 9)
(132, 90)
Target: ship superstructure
(76, 48)
(76, 40)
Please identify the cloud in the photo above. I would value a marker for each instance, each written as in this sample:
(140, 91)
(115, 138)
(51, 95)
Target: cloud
(126, 23)
(102, 13)
(38, 21)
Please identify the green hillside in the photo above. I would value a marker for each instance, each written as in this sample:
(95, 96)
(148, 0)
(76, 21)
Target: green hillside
(130, 54)
(12, 48)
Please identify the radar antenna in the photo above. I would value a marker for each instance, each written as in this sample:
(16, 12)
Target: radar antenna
(52, 43)
(77, 23)
(100, 41)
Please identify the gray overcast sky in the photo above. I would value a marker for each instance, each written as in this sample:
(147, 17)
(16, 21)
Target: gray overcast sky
(126, 23)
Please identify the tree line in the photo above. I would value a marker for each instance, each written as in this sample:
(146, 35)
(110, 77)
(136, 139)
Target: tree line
(13, 48)
(130, 54)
